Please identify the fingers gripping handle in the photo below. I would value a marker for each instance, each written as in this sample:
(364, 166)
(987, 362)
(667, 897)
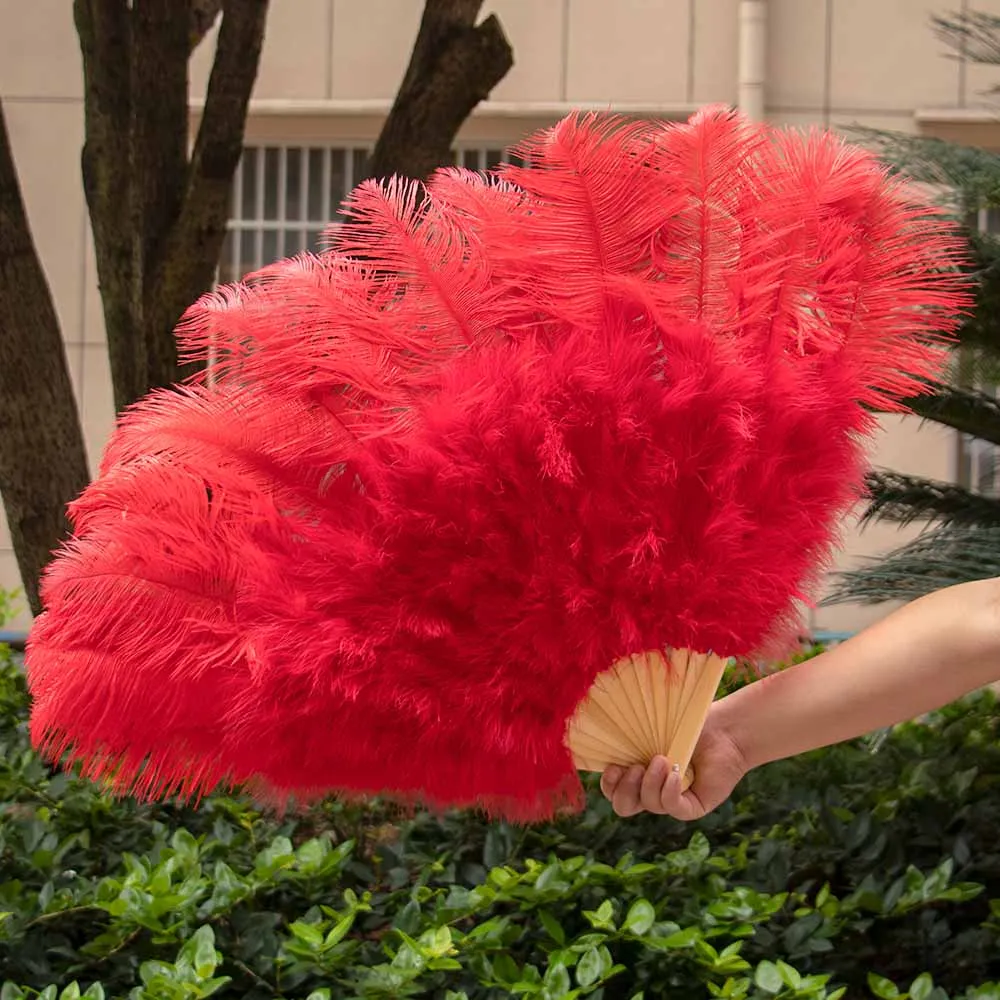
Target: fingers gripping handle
(646, 705)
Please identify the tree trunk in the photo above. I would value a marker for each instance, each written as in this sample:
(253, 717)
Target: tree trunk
(454, 65)
(158, 219)
(202, 14)
(104, 31)
(186, 266)
(157, 165)
(43, 463)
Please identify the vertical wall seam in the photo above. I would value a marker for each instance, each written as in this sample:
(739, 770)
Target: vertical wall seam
(329, 48)
(828, 65)
(752, 58)
(689, 92)
(564, 54)
(963, 65)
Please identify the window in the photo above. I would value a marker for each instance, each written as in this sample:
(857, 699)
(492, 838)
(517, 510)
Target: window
(284, 197)
(473, 158)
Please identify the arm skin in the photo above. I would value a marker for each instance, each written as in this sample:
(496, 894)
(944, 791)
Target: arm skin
(919, 658)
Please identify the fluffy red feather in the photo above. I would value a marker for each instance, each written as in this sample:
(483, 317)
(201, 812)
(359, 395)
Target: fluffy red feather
(504, 432)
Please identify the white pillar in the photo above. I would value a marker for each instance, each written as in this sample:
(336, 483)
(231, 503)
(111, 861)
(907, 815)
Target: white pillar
(752, 57)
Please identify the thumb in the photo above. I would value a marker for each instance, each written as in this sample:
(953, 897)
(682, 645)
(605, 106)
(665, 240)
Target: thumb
(681, 805)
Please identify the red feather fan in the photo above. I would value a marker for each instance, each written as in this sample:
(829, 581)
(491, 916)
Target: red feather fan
(508, 431)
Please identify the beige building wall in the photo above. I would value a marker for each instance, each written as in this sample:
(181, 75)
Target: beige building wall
(330, 68)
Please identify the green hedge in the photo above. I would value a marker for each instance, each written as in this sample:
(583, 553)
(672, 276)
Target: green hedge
(847, 873)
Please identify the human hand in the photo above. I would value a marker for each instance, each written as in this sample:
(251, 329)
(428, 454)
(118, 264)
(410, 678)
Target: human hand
(718, 765)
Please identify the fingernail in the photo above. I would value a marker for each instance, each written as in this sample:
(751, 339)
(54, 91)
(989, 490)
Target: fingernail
(613, 773)
(657, 766)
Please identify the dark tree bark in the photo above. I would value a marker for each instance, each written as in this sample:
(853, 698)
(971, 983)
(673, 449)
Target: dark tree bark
(159, 215)
(158, 221)
(202, 16)
(43, 464)
(157, 164)
(186, 267)
(454, 65)
(104, 32)
(158, 218)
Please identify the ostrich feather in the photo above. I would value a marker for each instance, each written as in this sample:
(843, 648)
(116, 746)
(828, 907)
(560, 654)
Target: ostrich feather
(505, 431)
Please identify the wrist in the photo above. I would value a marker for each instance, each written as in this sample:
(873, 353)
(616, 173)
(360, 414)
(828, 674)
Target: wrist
(729, 715)
(724, 731)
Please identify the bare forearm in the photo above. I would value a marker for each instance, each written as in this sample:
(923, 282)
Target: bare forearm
(919, 658)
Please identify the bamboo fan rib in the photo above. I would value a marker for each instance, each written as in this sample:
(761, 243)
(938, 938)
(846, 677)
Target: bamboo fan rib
(646, 705)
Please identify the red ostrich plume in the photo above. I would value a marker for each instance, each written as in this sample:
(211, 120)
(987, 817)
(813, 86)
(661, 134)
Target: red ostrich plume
(508, 435)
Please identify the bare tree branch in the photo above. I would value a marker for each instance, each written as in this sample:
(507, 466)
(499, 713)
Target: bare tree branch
(192, 250)
(157, 164)
(440, 20)
(202, 15)
(454, 65)
(105, 43)
(159, 220)
(43, 463)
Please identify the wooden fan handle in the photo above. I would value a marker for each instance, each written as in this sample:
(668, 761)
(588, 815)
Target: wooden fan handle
(643, 707)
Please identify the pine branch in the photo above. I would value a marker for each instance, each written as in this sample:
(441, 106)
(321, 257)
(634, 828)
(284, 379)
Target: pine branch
(938, 558)
(903, 499)
(975, 366)
(969, 179)
(973, 34)
(967, 411)
(981, 330)
(970, 175)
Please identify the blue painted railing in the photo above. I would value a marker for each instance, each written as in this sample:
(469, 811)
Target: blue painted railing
(823, 637)
(15, 640)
